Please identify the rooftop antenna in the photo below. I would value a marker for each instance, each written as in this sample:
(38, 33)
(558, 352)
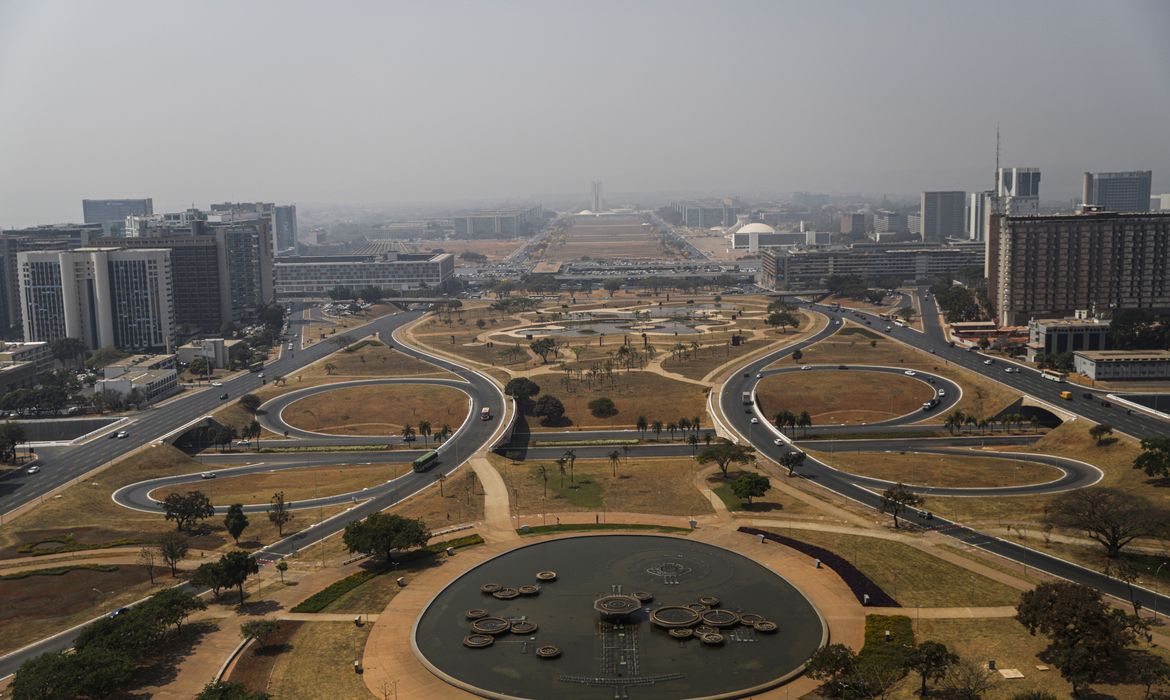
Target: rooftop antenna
(995, 190)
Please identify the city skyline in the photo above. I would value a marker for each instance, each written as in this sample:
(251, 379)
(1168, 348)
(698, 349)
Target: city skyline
(322, 113)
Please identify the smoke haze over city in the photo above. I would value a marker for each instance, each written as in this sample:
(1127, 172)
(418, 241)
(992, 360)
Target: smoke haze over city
(431, 102)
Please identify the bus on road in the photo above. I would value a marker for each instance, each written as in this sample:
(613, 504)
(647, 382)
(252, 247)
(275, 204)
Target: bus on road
(425, 462)
(1053, 375)
(747, 398)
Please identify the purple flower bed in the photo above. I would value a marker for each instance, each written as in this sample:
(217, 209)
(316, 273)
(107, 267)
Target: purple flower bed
(858, 582)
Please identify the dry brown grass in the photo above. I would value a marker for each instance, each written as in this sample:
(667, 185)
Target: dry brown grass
(634, 394)
(105, 521)
(1006, 641)
(494, 249)
(842, 396)
(460, 501)
(981, 396)
(940, 470)
(320, 663)
(648, 485)
(297, 484)
(315, 332)
(38, 606)
(914, 577)
(378, 409)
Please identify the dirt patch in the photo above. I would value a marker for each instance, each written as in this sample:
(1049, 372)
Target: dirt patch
(297, 484)
(940, 470)
(379, 409)
(847, 397)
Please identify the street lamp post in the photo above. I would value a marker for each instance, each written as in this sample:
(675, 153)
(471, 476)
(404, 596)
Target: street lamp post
(1156, 572)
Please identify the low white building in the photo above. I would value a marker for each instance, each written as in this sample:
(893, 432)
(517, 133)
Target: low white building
(217, 351)
(154, 376)
(1122, 365)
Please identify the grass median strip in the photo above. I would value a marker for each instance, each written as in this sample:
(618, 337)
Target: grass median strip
(585, 443)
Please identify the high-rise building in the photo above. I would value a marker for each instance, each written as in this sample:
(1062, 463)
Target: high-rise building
(1118, 191)
(885, 221)
(979, 208)
(113, 212)
(596, 187)
(1160, 202)
(314, 277)
(1018, 190)
(809, 268)
(853, 224)
(103, 296)
(39, 238)
(942, 215)
(284, 228)
(1051, 266)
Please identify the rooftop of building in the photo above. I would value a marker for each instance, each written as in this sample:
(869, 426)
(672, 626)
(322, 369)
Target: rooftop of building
(757, 228)
(227, 342)
(1125, 355)
(137, 360)
(1095, 215)
(367, 258)
(143, 376)
(1071, 322)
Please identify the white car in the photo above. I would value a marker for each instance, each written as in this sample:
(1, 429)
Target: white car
(910, 373)
(123, 434)
(807, 367)
(207, 475)
(755, 421)
(33, 469)
(217, 384)
(1011, 370)
(777, 441)
(942, 392)
(987, 362)
(759, 376)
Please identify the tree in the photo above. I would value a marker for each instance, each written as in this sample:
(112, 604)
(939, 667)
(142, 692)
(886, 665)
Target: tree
(834, 664)
(382, 534)
(1099, 431)
(1148, 670)
(967, 680)
(330, 367)
(173, 606)
(68, 349)
(543, 472)
(187, 508)
(797, 355)
(549, 409)
(725, 453)
(370, 294)
(235, 522)
(424, 429)
(522, 389)
(931, 660)
(146, 557)
(543, 347)
(92, 673)
(199, 366)
(237, 565)
(279, 513)
(104, 356)
(407, 432)
(804, 421)
(897, 498)
(792, 460)
(570, 455)
(173, 547)
(642, 424)
(1087, 635)
(250, 402)
(1111, 517)
(259, 630)
(1155, 457)
(603, 407)
(209, 575)
(11, 435)
(611, 285)
(749, 486)
(281, 567)
(615, 457)
(783, 319)
(227, 690)
(657, 428)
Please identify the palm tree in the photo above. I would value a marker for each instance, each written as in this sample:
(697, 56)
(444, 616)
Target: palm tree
(543, 471)
(407, 432)
(657, 428)
(971, 421)
(983, 422)
(953, 421)
(672, 428)
(696, 424)
(572, 457)
(614, 458)
(642, 424)
(424, 429)
(444, 432)
(1035, 421)
(693, 441)
(804, 421)
(561, 466)
(684, 424)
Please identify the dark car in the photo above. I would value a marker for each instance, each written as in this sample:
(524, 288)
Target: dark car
(842, 366)
(1086, 395)
(1106, 404)
(223, 396)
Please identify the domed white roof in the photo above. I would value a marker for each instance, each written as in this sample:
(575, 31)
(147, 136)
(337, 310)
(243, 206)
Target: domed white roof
(757, 228)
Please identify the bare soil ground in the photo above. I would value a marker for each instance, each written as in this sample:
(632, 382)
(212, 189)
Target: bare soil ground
(940, 470)
(846, 397)
(378, 410)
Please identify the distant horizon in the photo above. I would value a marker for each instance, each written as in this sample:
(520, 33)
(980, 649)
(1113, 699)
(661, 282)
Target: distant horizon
(406, 104)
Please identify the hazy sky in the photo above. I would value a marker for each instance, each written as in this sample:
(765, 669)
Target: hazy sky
(203, 101)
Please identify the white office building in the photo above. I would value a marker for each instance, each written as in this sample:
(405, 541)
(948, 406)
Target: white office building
(979, 206)
(315, 277)
(1018, 190)
(104, 296)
